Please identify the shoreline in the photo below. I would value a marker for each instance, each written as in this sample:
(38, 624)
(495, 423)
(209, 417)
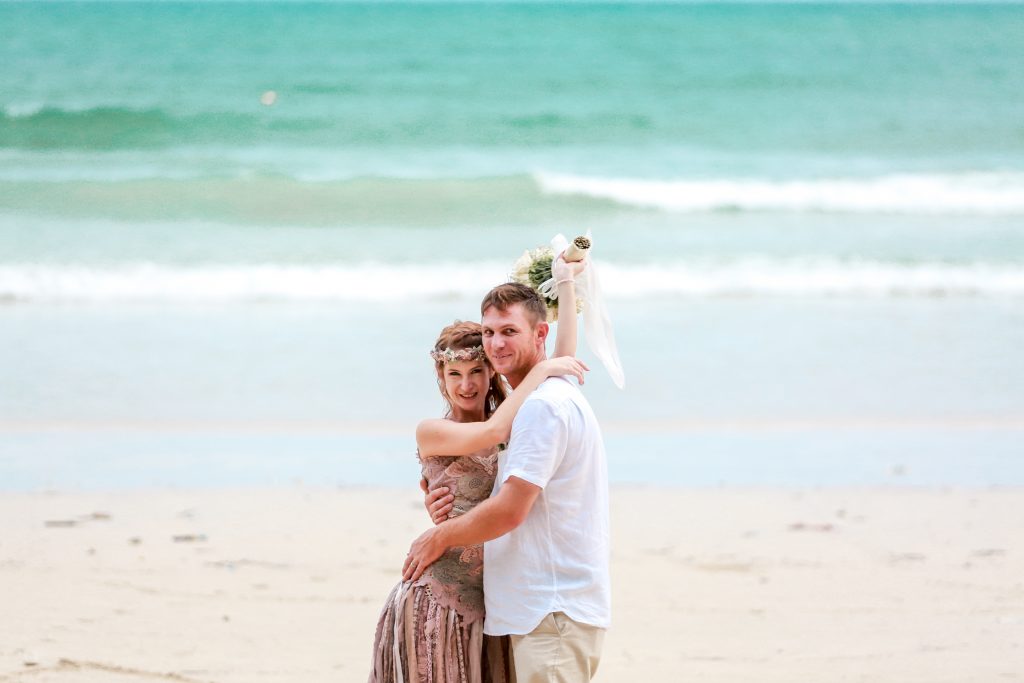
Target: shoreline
(300, 427)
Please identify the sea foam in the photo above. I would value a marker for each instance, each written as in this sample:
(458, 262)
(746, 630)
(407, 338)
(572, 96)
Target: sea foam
(376, 282)
(966, 193)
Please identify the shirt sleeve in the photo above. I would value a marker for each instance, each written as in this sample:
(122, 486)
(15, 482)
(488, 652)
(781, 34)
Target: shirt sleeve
(538, 442)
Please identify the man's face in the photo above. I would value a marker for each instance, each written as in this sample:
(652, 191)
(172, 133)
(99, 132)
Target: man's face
(511, 343)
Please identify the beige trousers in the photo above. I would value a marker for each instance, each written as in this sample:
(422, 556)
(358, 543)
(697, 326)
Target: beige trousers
(559, 650)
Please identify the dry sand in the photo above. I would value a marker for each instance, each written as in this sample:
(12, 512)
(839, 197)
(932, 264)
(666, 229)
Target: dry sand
(713, 585)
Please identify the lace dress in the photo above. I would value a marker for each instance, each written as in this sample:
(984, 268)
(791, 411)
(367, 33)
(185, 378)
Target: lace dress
(432, 630)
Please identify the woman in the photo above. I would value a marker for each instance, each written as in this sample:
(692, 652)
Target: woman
(431, 629)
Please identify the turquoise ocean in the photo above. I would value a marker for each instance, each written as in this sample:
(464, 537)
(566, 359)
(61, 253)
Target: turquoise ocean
(229, 233)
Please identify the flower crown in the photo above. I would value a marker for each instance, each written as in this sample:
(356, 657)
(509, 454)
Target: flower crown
(452, 355)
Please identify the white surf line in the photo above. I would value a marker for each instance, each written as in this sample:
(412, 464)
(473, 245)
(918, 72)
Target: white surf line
(961, 423)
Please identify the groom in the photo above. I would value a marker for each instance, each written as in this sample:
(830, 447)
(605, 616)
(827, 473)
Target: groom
(545, 526)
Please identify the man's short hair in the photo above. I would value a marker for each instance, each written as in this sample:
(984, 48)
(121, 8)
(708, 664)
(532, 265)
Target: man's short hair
(504, 296)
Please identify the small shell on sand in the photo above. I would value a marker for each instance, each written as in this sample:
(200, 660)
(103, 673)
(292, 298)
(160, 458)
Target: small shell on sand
(189, 538)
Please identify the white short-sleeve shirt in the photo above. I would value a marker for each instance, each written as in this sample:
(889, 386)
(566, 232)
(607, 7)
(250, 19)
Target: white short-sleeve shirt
(556, 560)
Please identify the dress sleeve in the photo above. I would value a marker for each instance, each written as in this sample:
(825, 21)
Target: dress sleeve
(537, 446)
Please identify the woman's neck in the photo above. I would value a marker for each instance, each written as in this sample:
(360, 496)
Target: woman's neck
(460, 415)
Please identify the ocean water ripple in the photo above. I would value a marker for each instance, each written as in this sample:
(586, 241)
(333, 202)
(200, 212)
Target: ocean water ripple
(154, 190)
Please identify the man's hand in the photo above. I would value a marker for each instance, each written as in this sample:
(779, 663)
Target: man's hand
(492, 518)
(438, 502)
(422, 553)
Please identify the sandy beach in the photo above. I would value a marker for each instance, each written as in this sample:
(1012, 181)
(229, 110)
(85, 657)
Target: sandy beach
(713, 585)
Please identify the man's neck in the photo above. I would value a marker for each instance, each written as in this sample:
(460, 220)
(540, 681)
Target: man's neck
(516, 378)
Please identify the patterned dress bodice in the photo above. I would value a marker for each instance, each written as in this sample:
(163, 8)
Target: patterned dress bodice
(456, 579)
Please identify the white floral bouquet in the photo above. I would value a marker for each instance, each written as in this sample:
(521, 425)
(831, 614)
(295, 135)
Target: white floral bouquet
(533, 269)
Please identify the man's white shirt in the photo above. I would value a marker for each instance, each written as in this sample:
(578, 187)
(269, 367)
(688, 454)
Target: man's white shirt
(556, 560)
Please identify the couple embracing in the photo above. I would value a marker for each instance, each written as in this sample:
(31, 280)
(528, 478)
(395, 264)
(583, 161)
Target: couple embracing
(512, 583)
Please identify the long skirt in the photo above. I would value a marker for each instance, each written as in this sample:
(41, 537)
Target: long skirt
(420, 640)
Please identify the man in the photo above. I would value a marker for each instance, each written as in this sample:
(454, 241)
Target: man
(545, 527)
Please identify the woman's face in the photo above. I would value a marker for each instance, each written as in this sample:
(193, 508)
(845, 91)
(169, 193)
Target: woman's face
(465, 382)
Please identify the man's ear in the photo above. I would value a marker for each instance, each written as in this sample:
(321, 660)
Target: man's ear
(542, 332)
